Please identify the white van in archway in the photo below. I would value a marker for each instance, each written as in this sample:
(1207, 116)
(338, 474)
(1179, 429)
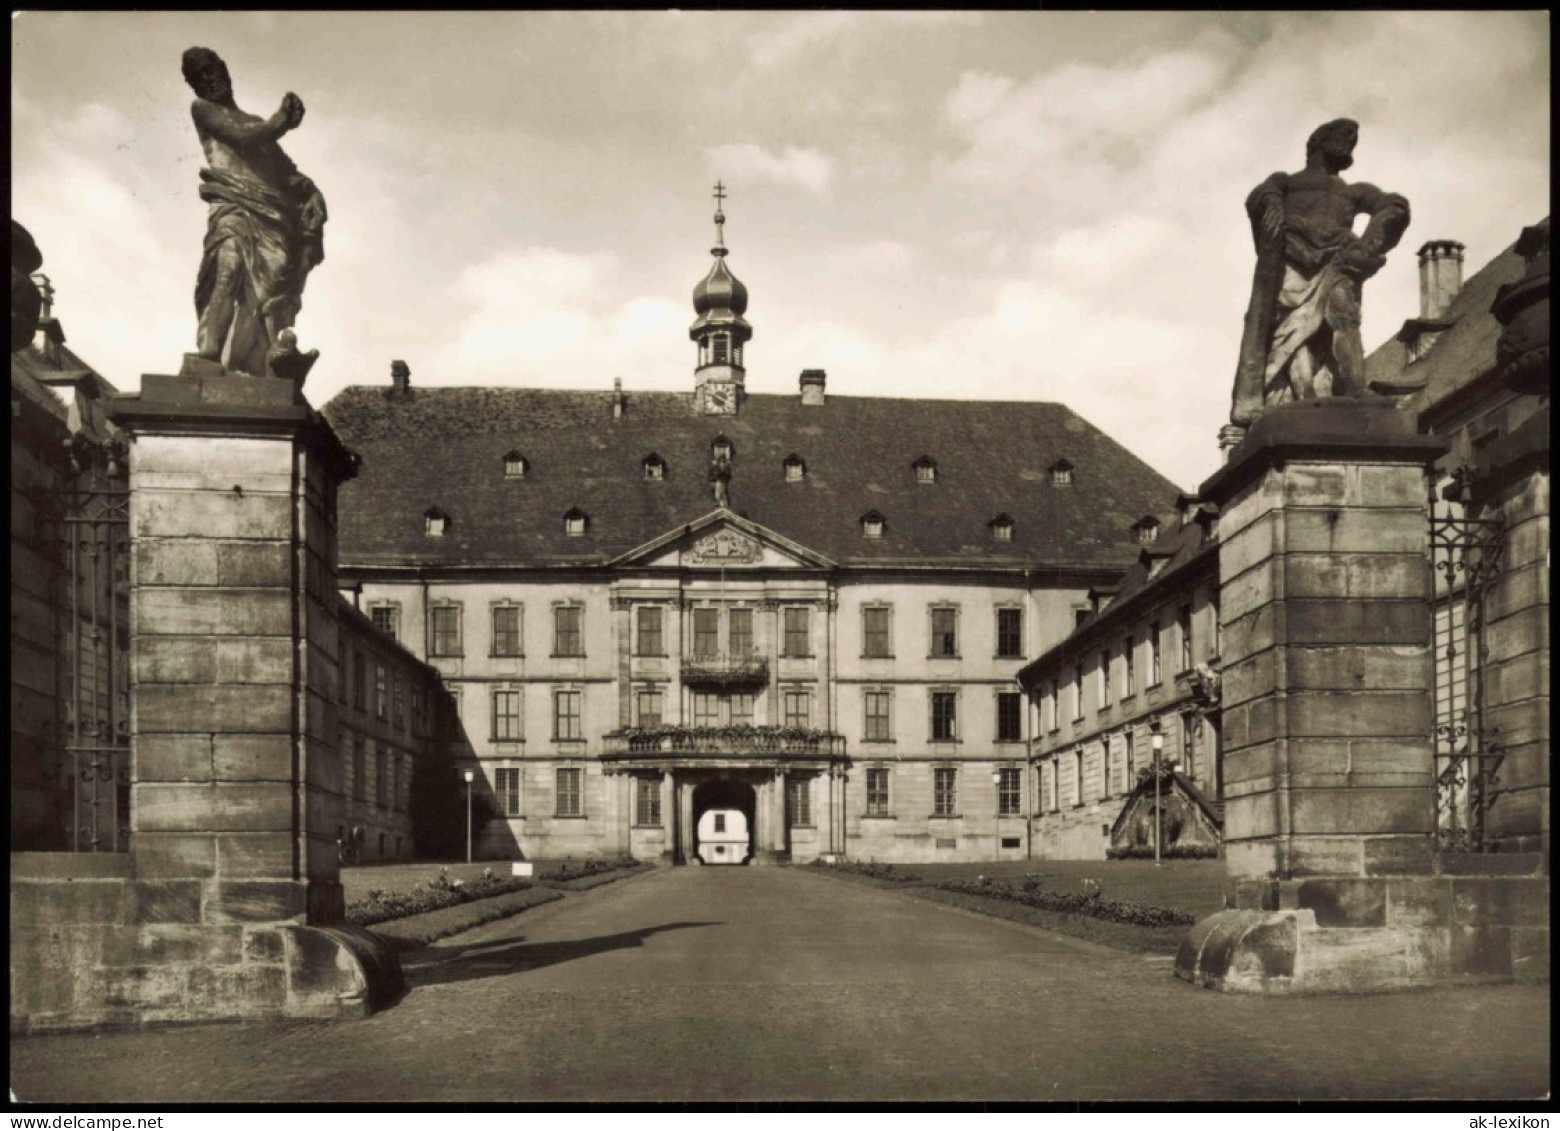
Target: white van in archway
(723, 837)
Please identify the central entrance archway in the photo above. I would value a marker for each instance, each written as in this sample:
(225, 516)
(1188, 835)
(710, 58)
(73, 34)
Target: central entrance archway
(724, 822)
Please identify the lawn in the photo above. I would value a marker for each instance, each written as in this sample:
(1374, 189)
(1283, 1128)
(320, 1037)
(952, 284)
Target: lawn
(359, 880)
(1190, 885)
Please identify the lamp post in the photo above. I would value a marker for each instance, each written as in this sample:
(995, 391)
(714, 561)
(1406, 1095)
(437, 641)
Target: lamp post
(1157, 741)
(996, 781)
(469, 776)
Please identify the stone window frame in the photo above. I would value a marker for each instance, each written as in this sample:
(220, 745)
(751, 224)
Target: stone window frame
(878, 795)
(943, 694)
(932, 612)
(706, 708)
(1017, 634)
(945, 797)
(506, 605)
(1129, 758)
(733, 614)
(1183, 620)
(1077, 692)
(1156, 673)
(398, 699)
(560, 696)
(384, 766)
(798, 801)
(359, 682)
(1052, 704)
(442, 648)
(381, 690)
(1000, 696)
(1129, 673)
(641, 645)
(1010, 791)
(403, 785)
(575, 793)
(579, 629)
(709, 614)
(642, 691)
(1055, 763)
(793, 694)
(503, 694)
(393, 608)
(1104, 680)
(1189, 744)
(802, 612)
(1105, 765)
(886, 695)
(887, 609)
(418, 712)
(647, 802)
(1078, 777)
(508, 784)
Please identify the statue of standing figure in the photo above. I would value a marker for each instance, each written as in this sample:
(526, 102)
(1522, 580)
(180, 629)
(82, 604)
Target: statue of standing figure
(1302, 336)
(264, 232)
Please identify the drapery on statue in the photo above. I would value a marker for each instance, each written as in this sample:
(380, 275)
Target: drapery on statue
(265, 229)
(1302, 336)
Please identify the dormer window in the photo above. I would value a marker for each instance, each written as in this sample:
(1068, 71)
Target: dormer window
(655, 467)
(1061, 473)
(515, 466)
(721, 449)
(435, 522)
(925, 470)
(1146, 529)
(1001, 528)
(795, 468)
(575, 522)
(872, 524)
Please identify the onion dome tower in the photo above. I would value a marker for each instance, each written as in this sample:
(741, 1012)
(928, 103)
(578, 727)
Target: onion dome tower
(719, 300)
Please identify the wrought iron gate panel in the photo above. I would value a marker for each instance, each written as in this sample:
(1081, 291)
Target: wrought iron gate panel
(1466, 557)
(92, 607)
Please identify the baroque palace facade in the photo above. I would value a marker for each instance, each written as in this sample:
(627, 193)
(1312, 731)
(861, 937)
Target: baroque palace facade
(808, 609)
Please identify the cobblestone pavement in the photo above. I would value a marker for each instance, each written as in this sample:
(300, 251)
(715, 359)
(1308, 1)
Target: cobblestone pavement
(774, 983)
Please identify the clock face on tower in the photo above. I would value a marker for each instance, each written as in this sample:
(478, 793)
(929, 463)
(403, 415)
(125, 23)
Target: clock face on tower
(720, 398)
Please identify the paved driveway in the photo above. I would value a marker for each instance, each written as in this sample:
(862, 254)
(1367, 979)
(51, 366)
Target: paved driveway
(777, 983)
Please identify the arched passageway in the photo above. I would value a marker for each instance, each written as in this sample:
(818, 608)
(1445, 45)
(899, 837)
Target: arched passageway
(724, 819)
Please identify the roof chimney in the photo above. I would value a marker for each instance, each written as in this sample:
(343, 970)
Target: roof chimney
(812, 382)
(619, 402)
(1440, 277)
(400, 380)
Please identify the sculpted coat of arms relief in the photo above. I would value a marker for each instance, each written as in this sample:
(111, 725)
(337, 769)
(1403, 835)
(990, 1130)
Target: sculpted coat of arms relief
(723, 547)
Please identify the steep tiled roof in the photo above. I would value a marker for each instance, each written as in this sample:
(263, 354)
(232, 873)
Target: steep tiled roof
(444, 447)
(1464, 350)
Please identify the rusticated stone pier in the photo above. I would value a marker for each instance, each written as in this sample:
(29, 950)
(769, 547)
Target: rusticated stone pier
(1333, 878)
(229, 903)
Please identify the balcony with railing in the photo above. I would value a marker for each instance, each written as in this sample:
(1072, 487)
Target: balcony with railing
(780, 742)
(719, 671)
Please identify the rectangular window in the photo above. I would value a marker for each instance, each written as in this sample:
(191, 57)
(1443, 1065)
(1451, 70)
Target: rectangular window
(877, 793)
(945, 634)
(1077, 778)
(1077, 691)
(403, 767)
(739, 626)
(720, 822)
(1154, 674)
(878, 727)
(360, 769)
(1129, 658)
(1053, 706)
(446, 630)
(1184, 620)
(741, 704)
(567, 723)
(798, 802)
(568, 639)
(506, 784)
(1010, 716)
(570, 803)
(647, 802)
(798, 631)
(386, 618)
(381, 690)
(1010, 634)
(506, 630)
(706, 632)
(506, 716)
(706, 709)
(398, 702)
(1188, 754)
(1104, 680)
(874, 634)
(1054, 767)
(945, 791)
(1213, 623)
(649, 706)
(1130, 761)
(945, 716)
(419, 720)
(650, 640)
(1105, 767)
(382, 768)
(798, 708)
(359, 681)
(1010, 790)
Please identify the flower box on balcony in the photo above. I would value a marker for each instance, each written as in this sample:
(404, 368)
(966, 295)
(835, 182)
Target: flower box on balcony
(725, 672)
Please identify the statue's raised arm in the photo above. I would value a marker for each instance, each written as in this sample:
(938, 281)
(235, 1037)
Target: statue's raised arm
(1302, 333)
(265, 228)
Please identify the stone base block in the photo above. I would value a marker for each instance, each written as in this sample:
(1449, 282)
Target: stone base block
(521, 868)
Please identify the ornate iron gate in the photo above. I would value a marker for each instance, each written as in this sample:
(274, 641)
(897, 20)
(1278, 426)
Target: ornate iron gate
(1466, 557)
(92, 604)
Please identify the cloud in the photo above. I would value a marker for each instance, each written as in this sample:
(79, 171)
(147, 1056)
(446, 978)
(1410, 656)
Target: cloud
(805, 32)
(800, 168)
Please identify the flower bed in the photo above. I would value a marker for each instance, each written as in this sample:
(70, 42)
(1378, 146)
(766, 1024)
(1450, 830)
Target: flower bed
(420, 930)
(585, 874)
(1084, 902)
(1169, 852)
(440, 892)
(871, 869)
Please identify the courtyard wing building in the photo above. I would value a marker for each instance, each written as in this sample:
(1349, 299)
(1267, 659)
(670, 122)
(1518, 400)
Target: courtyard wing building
(807, 609)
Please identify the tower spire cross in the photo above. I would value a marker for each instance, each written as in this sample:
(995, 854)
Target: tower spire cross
(720, 216)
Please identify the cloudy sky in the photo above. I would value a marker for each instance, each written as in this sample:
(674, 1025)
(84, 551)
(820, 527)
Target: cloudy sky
(1020, 206)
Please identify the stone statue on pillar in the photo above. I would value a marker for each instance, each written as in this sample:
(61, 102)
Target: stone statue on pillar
(264, 231)
(1302, 335)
